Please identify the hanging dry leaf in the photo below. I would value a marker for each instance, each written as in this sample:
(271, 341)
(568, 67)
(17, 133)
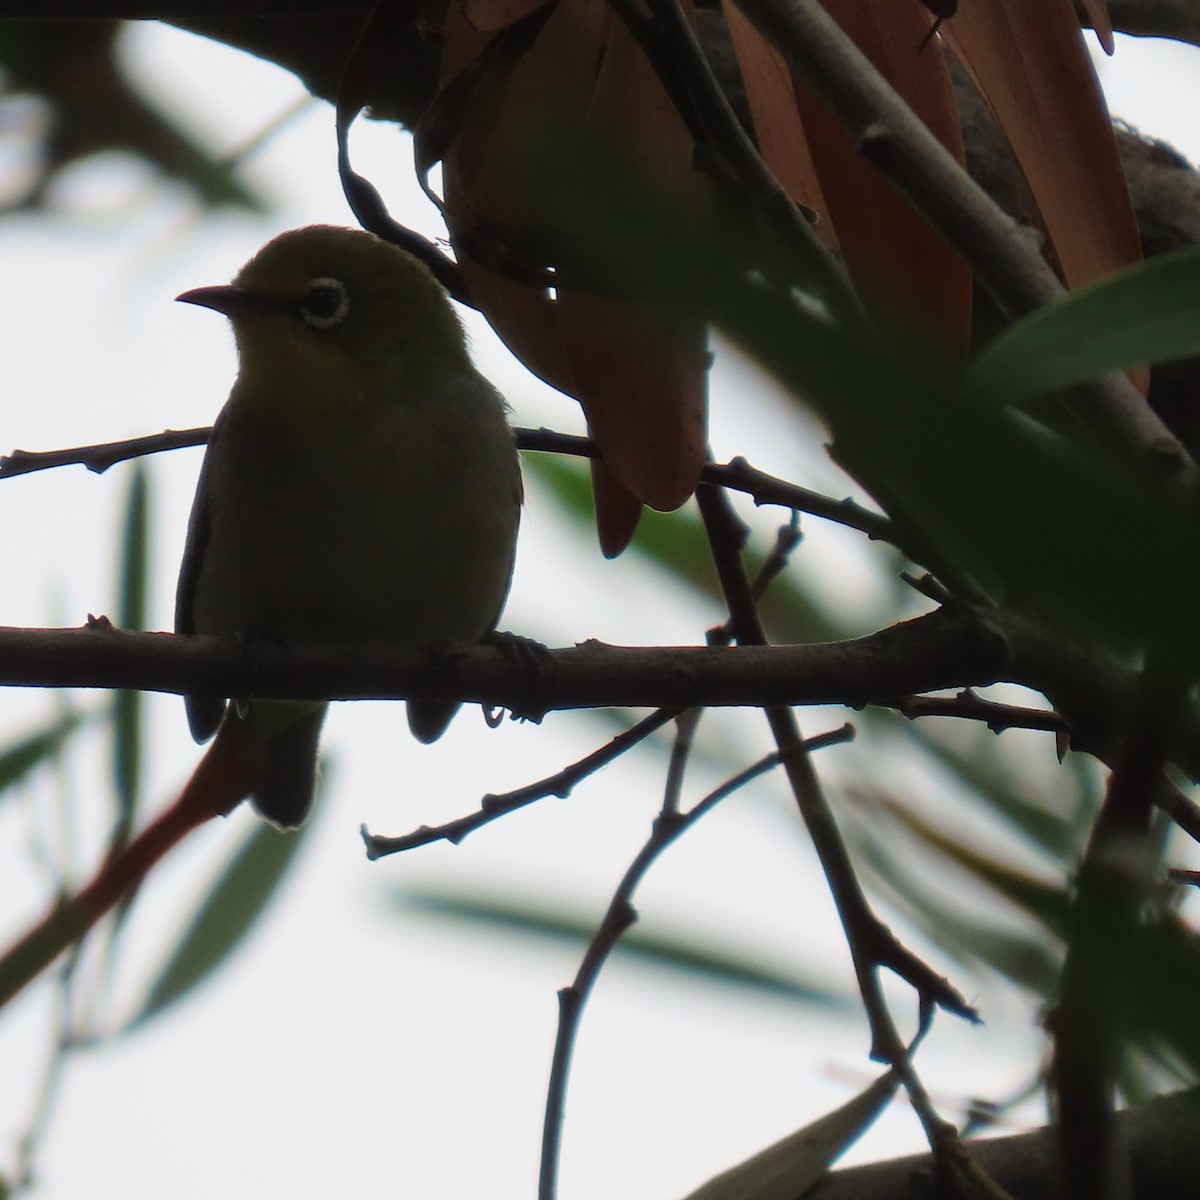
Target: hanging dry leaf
(617, 510)
(1096, 12)
(639, 375)
(1028, 59)
(892, 253)
(778, 129)
(488, 16)
(639, 378)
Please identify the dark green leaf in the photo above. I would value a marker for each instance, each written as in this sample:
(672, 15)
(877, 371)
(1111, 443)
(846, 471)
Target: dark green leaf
(19, 759)
(1043, 901)
(131, 614)
(677, 544)
(233, 903)
(786, 1170)
(1144, 314)
(984, 770)
(677, 954)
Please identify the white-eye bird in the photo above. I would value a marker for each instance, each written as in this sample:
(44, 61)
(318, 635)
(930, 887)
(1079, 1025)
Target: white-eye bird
(361, 484)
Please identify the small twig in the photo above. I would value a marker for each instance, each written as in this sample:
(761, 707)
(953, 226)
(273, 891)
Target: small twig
(668, 826)
(101, 456)
(928, 585)
(681, 749)
(739, 476)
(380, 28)
(971, 707)
(493, 807)
(787, 538)
(549, 441)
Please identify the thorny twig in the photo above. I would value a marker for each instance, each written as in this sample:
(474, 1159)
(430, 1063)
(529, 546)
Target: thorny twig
(102, 455)
(969, 706)
(492, 807)
(787, 538)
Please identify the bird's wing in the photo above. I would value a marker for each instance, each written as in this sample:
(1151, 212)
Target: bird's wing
(204, 712)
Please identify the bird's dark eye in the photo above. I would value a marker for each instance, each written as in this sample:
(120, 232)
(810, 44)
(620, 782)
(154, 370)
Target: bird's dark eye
(324, 303)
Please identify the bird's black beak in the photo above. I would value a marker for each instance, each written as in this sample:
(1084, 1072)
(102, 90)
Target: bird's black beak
(229, 299)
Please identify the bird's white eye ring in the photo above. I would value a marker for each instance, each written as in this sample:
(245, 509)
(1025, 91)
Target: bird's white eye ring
(324, 303)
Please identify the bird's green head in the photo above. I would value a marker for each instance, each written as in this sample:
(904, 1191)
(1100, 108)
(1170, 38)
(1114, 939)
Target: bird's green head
(328, 320)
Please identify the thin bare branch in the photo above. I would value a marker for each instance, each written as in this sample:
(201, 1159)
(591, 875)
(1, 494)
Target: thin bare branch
(668, 826)
(1091, 687)
(738, 475)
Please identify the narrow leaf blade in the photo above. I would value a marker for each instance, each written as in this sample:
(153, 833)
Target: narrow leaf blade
(131, 610)
(226, 915)
(18, 760)
(791, 1166)
(1145, 314)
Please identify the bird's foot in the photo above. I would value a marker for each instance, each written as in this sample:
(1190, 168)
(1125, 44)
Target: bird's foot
(528, 655)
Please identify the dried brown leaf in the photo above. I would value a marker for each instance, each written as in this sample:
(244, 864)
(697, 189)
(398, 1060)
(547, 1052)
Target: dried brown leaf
(488, 16)
(1029, 61)
(778, 128)
(892, 253)
(617, 510)
(639, 377)
(1096, 12)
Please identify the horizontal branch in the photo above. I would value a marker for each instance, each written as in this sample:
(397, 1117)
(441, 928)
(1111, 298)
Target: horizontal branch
(1178, 19)
(174, 10)
(954, 647)
(947, 648)
(1147, 18)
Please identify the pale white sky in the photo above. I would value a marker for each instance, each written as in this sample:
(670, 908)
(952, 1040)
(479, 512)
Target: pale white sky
(350, 1049)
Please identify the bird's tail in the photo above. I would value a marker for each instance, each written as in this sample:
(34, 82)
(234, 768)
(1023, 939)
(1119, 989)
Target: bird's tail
(285, 769)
